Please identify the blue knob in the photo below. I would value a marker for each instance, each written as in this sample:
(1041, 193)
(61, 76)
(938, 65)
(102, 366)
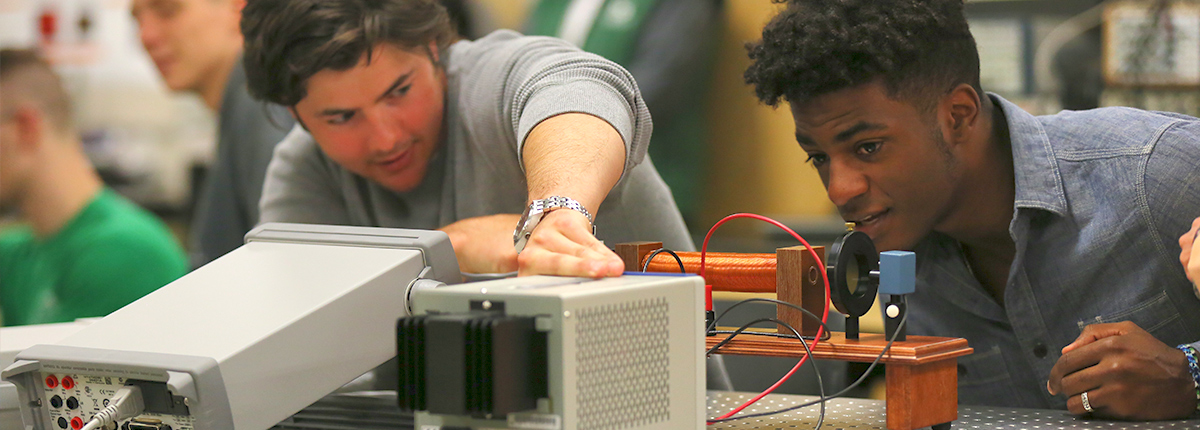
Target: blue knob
(897, 272)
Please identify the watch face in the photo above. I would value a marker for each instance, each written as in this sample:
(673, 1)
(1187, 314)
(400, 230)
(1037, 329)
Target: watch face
(525, 226)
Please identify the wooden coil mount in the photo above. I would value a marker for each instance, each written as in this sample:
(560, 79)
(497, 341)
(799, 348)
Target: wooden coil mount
(922, 371)
(790, 273)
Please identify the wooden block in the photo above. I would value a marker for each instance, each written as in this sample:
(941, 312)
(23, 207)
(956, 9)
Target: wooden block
(922, 395)
(798, 281)
(632, 253)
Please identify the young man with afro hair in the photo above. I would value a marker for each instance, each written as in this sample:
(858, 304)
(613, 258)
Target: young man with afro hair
(1049, 243)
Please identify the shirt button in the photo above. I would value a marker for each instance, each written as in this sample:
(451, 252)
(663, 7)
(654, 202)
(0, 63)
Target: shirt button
(1039, 350)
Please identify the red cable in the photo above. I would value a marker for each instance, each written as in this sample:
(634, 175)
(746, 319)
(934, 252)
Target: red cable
(824, 316)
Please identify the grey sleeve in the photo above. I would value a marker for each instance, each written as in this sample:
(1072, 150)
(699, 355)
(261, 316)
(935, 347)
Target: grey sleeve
(256, 146)
(301, 185)
(535, 78)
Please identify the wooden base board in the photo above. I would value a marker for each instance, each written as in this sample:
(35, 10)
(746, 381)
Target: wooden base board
(922, 371)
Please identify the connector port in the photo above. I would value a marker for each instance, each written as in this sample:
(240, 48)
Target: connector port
(145, 424)
(159, 399)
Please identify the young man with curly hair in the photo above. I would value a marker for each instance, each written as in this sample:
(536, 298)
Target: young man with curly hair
(1049, 243)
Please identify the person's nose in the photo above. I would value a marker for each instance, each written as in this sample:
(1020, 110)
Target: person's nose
(386, 133)
(845, 183)
(149, 31)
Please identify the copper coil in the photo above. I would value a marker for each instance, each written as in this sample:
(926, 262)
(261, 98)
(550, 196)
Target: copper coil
(726, 271)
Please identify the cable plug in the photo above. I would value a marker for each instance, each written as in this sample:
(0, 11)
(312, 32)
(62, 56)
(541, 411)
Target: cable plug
(127, 403)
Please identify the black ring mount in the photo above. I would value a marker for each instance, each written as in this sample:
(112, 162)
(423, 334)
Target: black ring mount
(853, 248)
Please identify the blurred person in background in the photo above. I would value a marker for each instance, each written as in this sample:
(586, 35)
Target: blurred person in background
(470, 20)
(197, 46)
(82, 250)
(669, 47)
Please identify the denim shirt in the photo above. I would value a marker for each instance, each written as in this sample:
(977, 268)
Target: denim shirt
(1102, 197)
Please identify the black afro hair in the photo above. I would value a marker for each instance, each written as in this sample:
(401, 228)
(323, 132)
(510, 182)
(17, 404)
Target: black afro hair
(919, 48)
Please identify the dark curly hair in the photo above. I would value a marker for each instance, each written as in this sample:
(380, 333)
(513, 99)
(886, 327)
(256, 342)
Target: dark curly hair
(920, 48)
(289, 41)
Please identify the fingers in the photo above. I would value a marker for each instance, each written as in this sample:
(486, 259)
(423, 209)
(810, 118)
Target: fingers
(1098, 399)
(1093, 333)
(1192, 265)
(1087, 350)
(1086, 379)
(1187, 247)
(563, 245)
(1069, 363)
(582, 262)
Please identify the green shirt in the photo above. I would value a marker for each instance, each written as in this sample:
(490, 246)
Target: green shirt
(109, 255)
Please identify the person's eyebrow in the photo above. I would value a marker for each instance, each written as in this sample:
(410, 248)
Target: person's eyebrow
(862, 126)
(335, 112)
(804, 140)
(403, 79)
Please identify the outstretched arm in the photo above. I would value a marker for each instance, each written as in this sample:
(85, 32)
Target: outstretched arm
(572, 155)
(578, 156)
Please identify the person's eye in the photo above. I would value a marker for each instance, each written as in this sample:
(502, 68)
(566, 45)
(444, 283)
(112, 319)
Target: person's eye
(869, 148)
(400, 91)
(166, 9)
(817, 159)
(340, 118)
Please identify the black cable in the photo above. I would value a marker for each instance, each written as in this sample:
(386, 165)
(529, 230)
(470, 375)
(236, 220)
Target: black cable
(713, 326)
(763, 333)
(824, 399)
(662, 250)
(820, 383)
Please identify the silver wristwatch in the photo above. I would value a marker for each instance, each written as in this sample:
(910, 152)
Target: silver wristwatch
(538, 209)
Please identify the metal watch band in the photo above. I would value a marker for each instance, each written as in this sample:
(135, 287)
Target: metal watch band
(537, 209)
(560, 202)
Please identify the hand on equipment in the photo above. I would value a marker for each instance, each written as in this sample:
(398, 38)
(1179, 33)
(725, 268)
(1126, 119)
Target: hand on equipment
(1119, 370)
(562, 244)
(484, 244)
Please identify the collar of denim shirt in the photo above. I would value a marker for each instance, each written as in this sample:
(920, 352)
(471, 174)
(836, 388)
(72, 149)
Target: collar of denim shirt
(1039, 183)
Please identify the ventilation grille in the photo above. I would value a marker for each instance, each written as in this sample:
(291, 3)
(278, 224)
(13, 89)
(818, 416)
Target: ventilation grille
(623, 365)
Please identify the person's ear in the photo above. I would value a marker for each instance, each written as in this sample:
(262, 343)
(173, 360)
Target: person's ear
(433, 52)
(961, 109)
(296, 116)
(31, 127)
(235, 8)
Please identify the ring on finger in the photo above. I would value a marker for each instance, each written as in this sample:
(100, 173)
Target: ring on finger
(1087, 406)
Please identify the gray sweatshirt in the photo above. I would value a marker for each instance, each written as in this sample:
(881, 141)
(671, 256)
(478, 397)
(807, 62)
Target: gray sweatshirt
(498, 88)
